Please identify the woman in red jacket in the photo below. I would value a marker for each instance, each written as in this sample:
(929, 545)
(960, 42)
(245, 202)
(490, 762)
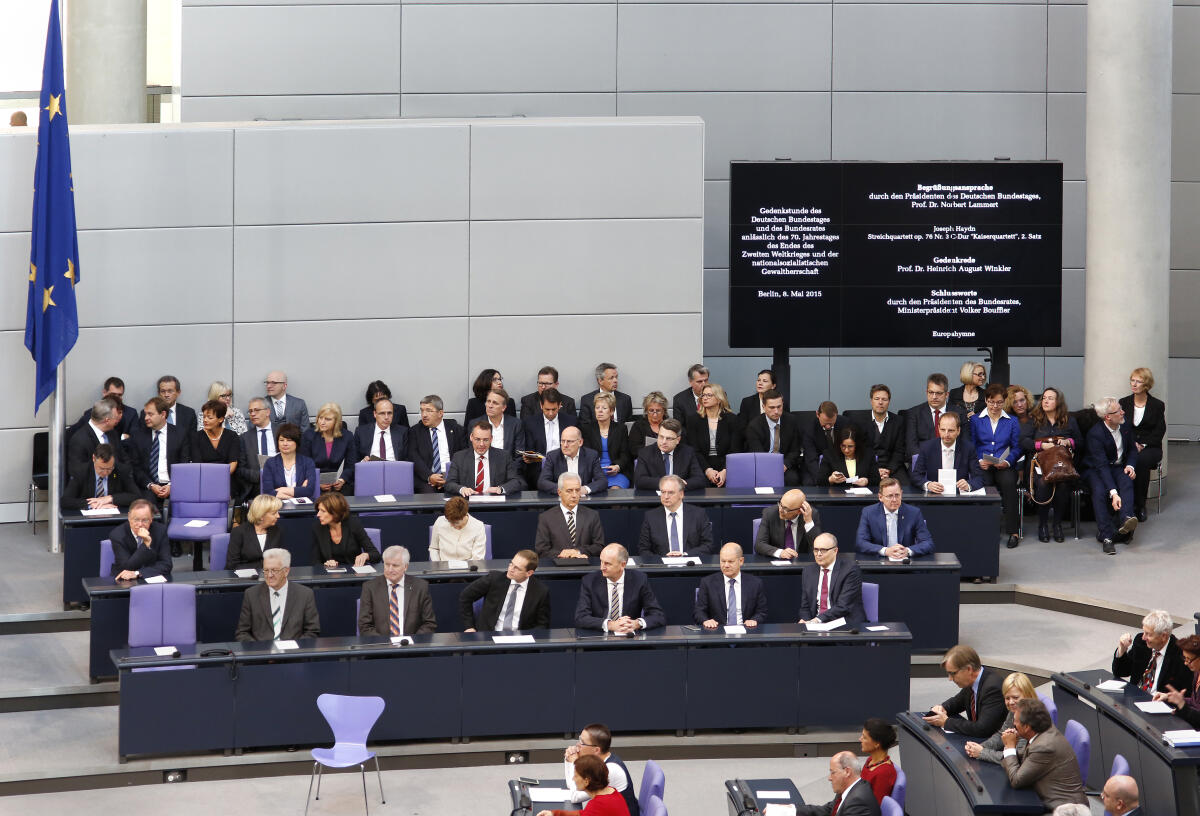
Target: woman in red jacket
(591, 775)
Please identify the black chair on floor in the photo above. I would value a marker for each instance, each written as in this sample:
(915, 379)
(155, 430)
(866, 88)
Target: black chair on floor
(39, 475)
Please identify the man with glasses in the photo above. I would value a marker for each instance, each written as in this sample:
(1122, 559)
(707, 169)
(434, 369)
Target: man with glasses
(395, 604)
(730, 597)
(105, 483)
(892, 529)
(531, 404)
(277, 609)
(595, 739)
(673, 529)
(667, 456)
(258, 444)
(284, 407)
(922, 421)
(140, 547)
(572, 457)
(978, 708)
(1111, 457)
(831, 588)
(568, 530)
(1153, 660)
(852, 796)
(789, 528)
(513, 599)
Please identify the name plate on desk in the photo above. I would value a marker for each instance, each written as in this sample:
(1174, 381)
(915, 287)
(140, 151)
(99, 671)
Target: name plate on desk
(246, 573)
(384, 498)
(486, 498)
(100, 511)
(513, 639)
(680, 560)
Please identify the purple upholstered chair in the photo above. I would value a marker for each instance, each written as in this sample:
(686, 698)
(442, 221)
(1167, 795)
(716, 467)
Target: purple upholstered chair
(890, 807)
(739, 471)
(653, 806)
(107, 557)
(654, 782)
(383, 479)
(351, 719)
(900, 788)
(768, 470)
(1120, 766)
(1048, 702)
(870, 599)
(487, 546)
(376, 536)
(218, 550)
(162, 615)
(199, 492)
(1081, 742)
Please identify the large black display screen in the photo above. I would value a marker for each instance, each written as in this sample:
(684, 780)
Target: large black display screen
(854, 254)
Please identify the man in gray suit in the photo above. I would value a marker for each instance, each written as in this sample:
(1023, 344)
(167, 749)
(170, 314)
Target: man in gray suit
(788, 528)
(284, 407)
(277, 609)
(1048, 764)
(568, 530)
(394, 604)
(499, 471)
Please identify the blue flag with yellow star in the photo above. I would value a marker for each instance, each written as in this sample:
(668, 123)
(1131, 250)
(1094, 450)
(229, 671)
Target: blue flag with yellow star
(51, 320)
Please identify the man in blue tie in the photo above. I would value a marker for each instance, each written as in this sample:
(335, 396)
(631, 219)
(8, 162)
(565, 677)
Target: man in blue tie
(668, 456)
(730, 597)
(674, 529)
(892, 529)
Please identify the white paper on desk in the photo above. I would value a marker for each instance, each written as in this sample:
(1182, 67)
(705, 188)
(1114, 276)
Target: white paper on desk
(100, 511)
(772, 795)
(486, 498)
(197, 523)
(249, 572)
(512, 639)
(948, 477)
(781, 563)
(858, 491)
(1154, 707)
(765, 491)
(156, 579)
(877, 628)
(735, 629)
(549, 794)
(825, 627)
(386, 497)
(286, 644)
(1111, 685)
(777, 809)
(980, 492)
(365, 569)
(165, 651)
(679, 560)
(1181, 738)
(457, 564)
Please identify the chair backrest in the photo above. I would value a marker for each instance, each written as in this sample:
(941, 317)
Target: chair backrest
(900, 788)
(768, 469)
(107, 557)
(652, 806)
(870, 599)
(913, 463)
(350, 717)
(40, 472)
(754, 530)
(890, 807)
(357, 610)
(1120, 766)
(162, 615)
(199, 490)
(1081, 742)
(739, 470)
(653, 781)
(218, 551)
(376, 536)
(1048, 702)
(383, 479)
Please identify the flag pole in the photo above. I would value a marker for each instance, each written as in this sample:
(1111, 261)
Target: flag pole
(58, 422)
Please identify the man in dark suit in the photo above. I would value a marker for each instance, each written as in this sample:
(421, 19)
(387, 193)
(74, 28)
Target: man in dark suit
(980, 702)
(155, 447)
(1112, 458)
(712, 608)
(667, 455)
(892, 529)
(774, 431)
(568, 530)
(674, 529)
(511, 600)
(508, 432)
(884, 431)
(1152, 660)
(949, 447)
(395, 604)
(1120, 796)
(1048, 763)
(100, 429)
(922, 420)
(852, 796)
(572, 457)
(831, 588)
(431, 444)
(178, 414)
(531, 404)
(114, 387)
(687, 401)
(105, 483)
(543, 431)
(140, 547)
(606, 378)
(256, 442)
(819, 431)
(788, 528)
(383, 439)
(482, 468)
(284, 407)
(277, 609)
(616, 599)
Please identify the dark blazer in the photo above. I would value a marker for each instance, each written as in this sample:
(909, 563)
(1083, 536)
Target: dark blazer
(354, 541)
(989, 708)
(1007, 435)
(137, 448)
(695, 532)
(82, 445)
(912, 532)
(751, 406)
(1154, 421)
(864, 465)
(185, 417)
(772, 531)
(587, 405)
(531, 405)
(637, 601)
(552, 537)
(420, 449)
(493, 588)
(364, 441)
(619, 452)
(712, 600)
(1031, 432)
(248, 472)
(816, 444)
(344, 455)
(888, 444)
(919, 426)
(300, 618)
(729, 439)
(243, 546)
(306, 471)
(1100, 453)
(227, 451)
(845, 593)
(130, 554)
(858, 801)
(535, 428)
(514, 433)
(475, 408)
(757, 439)
(295, 411)
(966, 463)
(955, 398)
(502, 471)
(82, 487)
(374, 608)
(1133, 664)
(650, 468)
(129, 423)
(683, 405)
(366, 415)
(590, 472)
(1050, 767)
(639, 431)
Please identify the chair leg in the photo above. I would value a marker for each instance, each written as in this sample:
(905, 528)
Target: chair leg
(379, 776)
(320, 768)
(362, 769)
(308, 798)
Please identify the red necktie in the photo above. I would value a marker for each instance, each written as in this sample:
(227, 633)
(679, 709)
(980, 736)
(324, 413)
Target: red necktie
(837, 803)
(823, 606)
(1147, 683)
(479, 475)
(972, 705)
(937, 416)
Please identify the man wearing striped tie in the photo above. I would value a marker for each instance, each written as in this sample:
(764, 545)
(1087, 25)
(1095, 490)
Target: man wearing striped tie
(615, 599)
(395, 604)
(278, 609)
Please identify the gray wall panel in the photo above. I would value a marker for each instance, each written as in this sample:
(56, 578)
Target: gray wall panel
(716, 316)
(16, 369)
(394, 171)
(1185, 214)
(1186, 32)
(18, 152)
(716, 224)
(1066, 374)
(291, 49)
(351, 271)
(745, 125)
(639, 169)
(1185, 329)
(921, 48)
(619, 267)
(1185, 137)
(724, 47)
(468, 48)
(1067, 69)
(14, 256)
(1184, 375)
(1074, 224)
(1065, 132)
(17, 465)
(1073, 310)
(908, 126)
(508, 104)
(305, 106)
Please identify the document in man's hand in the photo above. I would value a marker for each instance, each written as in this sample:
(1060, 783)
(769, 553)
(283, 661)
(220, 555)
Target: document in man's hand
(948, 478)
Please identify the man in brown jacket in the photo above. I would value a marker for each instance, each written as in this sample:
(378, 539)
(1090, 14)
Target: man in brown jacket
(1048, 763)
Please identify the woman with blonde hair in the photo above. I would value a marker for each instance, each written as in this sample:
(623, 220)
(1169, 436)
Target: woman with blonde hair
(969, 395)
(1149, 417)
(714, 432)
(1016, 687)
(330, 449)
(235, 420)
(256, 535)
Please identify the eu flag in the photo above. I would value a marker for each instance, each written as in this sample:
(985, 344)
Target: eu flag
(51, 320)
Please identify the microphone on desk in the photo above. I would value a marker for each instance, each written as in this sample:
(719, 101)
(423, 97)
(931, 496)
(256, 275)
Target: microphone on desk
(749, 805)
(524, 801)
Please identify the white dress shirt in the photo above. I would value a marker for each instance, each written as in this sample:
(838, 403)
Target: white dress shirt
(518, 588)
(552, 433)
(498, 434)
(259, 436)
(159, 469)
(678, 526)
(282, 601)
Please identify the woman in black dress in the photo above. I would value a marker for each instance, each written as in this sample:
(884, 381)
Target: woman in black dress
(852, 464)
(1051, 425)
(969, 395)
(488, 380)
(714, 433)
(215, 443)
(338, 537)
(259, 533)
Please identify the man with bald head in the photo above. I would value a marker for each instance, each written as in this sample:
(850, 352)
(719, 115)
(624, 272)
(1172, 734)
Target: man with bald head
(851, 795)
(1120, 796)
(788, 528)
(284, 407)
(572, 457)
(831, 588)
(730, 597)
(568, 530)
(615, 599)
